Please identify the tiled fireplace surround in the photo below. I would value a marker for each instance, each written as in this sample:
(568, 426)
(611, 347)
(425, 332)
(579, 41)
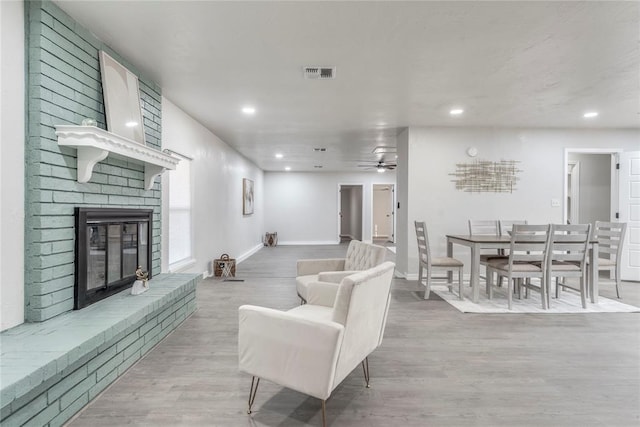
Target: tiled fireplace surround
(60, 359)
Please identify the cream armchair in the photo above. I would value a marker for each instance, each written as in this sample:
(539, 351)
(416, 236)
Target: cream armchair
(313, 347)
(360, 256)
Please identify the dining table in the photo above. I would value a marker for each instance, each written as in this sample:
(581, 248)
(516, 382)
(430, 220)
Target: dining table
(478, 243)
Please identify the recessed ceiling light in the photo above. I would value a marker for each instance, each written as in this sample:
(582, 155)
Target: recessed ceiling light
(320, 149)
(279, 155)
(590, 114)
(287, 168)
(249, 110)
(456, 111)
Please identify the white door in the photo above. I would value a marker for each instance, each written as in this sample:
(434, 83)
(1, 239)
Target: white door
(629, 188)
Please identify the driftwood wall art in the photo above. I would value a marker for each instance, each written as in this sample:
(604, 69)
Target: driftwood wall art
(484, 176)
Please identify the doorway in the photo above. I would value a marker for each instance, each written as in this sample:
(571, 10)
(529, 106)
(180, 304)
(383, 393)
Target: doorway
(591, 187)
(383, 218)
(350, 212)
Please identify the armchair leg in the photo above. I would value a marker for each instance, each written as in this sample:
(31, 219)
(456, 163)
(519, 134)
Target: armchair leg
(324, 414)
(365, 369)
(252, 392)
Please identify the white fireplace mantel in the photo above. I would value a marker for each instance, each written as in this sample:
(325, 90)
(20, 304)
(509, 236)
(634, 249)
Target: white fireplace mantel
(95, 144)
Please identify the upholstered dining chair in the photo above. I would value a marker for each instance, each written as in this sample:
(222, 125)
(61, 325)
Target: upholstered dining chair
(610, 237)
(526, 260)
(313, 347)
(567, 257)
(427, 264)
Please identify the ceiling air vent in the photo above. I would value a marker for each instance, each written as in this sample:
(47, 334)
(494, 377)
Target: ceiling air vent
(319, 72)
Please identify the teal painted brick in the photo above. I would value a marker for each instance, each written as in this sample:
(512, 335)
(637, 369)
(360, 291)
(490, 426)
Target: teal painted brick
(133, 349)
(102, 384)
(127, 341)
(117, 180)
(22, 415)
(67, 197)
(63, 246)
(78, 390)
(64, 173)
(148, 325)
(96, 199)
(50, 235)
(62, 221)
(153, 334)
(51, 209)
(43, 417)
(41, 301)
(110, 366)
(128, 363)
(99, 178)
(119, 200)
(70, 411)
(70, 381)
(54, 260)
(111, 189)
(101, 359)
(53, 285)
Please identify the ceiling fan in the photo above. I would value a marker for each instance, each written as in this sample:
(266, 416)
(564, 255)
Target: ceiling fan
(379, 165)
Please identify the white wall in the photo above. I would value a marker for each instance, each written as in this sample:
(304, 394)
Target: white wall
(217, 172)
(12, 140)
(302, 207)
(595, 186)
(431, 196)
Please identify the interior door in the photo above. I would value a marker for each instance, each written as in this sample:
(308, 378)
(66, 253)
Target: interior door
(629, 199)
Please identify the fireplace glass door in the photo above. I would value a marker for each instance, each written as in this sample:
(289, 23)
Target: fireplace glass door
(116, 242)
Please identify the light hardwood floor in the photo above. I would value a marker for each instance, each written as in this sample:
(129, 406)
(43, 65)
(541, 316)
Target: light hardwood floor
(436, 366)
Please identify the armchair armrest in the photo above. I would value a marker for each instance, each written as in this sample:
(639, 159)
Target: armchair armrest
(322, 293)
(292, 351)
(334, 276)
(306, 267)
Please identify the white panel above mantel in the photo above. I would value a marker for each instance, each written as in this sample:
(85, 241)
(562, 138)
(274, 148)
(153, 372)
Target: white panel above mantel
(95, 144)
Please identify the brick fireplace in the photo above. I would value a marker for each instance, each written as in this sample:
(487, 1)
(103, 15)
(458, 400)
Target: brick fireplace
(63, 88)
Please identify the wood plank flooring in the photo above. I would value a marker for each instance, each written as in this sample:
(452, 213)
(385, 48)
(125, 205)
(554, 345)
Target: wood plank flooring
(436, 366)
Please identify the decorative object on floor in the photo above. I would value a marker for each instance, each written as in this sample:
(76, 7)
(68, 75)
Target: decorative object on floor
(270, 239)
(483, 176)
(360, 256)
(569, 302)
(247, 196)
(224, 266)
(313, 347)
(121, 99)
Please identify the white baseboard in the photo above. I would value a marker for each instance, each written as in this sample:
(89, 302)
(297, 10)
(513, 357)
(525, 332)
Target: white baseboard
(308, 242)
(250, 252)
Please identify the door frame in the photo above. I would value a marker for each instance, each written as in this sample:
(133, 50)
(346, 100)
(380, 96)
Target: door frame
(339, 204)
(393, 211)
(614, 203)
(575, 190)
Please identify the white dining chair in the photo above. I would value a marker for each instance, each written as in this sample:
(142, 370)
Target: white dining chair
(567, 257)
(526, 260)
(427, 264)
(610, 237)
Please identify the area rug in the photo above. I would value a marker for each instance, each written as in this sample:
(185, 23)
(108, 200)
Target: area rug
(569, 302)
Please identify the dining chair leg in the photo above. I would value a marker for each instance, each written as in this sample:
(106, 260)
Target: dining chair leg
(583, 291)
(616, 271)
(427, 291)
(510, 292)
(252, 392)
(489, 290)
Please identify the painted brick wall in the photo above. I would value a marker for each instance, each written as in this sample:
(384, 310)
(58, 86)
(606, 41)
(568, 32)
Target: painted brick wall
(64, 87)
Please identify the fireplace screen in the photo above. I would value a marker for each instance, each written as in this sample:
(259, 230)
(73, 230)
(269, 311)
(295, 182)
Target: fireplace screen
(110, 245)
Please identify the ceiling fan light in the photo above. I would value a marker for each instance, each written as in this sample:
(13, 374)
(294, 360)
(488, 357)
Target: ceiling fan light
(381, 169)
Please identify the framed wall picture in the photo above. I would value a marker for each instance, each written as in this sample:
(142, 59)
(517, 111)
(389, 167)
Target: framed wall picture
(247, 196)
(121, 99)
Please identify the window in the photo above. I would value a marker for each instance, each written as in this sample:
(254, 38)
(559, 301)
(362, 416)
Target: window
(180, 213)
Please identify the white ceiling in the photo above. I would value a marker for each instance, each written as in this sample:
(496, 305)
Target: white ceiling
(399, 64)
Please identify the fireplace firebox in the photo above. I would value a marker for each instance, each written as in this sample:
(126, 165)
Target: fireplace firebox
(110, 245)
